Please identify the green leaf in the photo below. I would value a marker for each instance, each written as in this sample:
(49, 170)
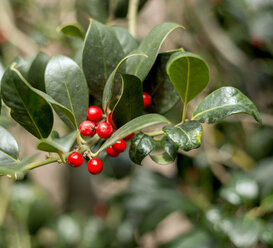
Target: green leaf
(141, 146)
(63, 144)
(67, 112)
(189, 74)
(66, 84)
(27, 108)
(99, 9)
(8, 147)
(101, 54)
(73, 30)
(140, 66)
(240, 189)
(243, 231)
(126, 40)
(109, 86)
(159, 86)
(267, 203)
(130, 104)
(186, 136)
(36, 73)
(17, 169)
(70, 116)
(222, 103)
(192, 239)
(165, 153)
(132, 126)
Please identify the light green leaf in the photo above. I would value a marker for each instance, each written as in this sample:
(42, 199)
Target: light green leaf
(130, 104)
(8, 148)
(141, 146)
(57, 145)
(101, 54)
(189, 74)
(140, 66)
(222, 103)
(186, 136)
(16, 170)
(132, 126)
(73, 30)
(66, 84)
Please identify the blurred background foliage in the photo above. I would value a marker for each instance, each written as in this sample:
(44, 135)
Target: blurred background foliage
(220, 195)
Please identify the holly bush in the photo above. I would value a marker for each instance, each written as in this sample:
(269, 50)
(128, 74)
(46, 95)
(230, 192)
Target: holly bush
(114, 69)
(114, 75)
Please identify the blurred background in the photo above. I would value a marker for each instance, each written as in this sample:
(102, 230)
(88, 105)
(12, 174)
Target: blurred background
(220, 195)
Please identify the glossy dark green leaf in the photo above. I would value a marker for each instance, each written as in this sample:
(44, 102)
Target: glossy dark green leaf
(101, 54)
(159, 86)
(36, 73)
(27, 108)
(130, 104)
(73, 30)
(126, 40)
(140, 66)
(63, 144)
(189, 74)
(165, 153)
(222, 103)
(8, 147)
(186, 136)
(99, 9)
(109, 86)
(132, 126)
(70, 117)
(66, 84)
(141, 146)
(67, 112)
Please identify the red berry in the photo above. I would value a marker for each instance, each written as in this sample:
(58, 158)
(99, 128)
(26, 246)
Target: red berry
(146, 99)
(130, 136)
(87, 128)
(104, 130)
(94, 114)
(75, 159)
(119, 146)
(111, 152)
(94, 166)
(109, 119)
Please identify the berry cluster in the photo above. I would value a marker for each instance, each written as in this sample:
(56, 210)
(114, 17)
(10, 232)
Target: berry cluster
(93, 125)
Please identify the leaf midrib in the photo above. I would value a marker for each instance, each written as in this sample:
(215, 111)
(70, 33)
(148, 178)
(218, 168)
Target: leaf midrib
(30, 116)
(211, 109)
(8, 155)
(68, 93)
(185, 134)
(27, 110)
